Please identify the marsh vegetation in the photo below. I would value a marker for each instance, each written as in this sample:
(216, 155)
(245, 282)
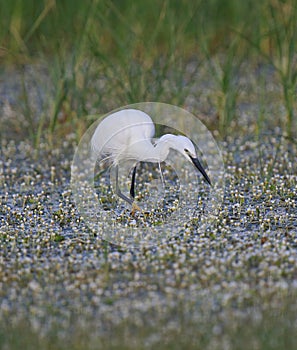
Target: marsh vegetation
(233, 64)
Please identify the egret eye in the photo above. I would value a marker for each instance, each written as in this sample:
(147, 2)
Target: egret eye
(186, 150)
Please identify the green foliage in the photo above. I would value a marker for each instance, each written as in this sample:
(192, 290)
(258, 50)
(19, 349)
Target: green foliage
(271, 330)
(141, 49)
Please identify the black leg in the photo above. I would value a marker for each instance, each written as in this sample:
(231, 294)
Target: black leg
(118, 191)
(132, 188)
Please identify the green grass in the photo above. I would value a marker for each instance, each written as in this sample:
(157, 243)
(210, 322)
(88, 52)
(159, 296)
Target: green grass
(89, 57)
(256, 329)
(141, 49)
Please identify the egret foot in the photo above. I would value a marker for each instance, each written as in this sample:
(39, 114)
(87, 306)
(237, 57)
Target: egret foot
(135, 208)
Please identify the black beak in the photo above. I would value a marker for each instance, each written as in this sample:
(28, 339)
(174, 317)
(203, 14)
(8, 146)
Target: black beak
(200, 168)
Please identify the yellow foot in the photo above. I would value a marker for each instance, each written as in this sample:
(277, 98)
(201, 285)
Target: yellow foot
(135, 208)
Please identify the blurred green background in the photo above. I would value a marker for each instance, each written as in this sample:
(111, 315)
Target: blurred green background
(232, 63)
(98, 55)
(143, 31)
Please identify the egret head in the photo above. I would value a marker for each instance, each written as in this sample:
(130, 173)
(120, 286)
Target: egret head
(184, 145)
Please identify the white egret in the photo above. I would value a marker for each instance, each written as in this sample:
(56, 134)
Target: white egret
(127, 135)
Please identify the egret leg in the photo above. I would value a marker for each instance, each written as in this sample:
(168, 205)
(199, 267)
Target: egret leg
(161, 174)
(118, 191)
(132, 188)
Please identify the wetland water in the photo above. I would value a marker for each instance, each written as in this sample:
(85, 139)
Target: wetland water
(60, 284)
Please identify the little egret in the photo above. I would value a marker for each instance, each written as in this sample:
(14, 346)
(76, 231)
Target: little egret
(127, 135)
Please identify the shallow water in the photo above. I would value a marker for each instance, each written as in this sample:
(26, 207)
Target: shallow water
(58, 277)
(56, 273)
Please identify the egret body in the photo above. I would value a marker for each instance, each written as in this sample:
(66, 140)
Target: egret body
(127, 135)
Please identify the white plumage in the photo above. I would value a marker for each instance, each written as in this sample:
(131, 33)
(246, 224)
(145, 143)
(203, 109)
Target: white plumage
(127, 135)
